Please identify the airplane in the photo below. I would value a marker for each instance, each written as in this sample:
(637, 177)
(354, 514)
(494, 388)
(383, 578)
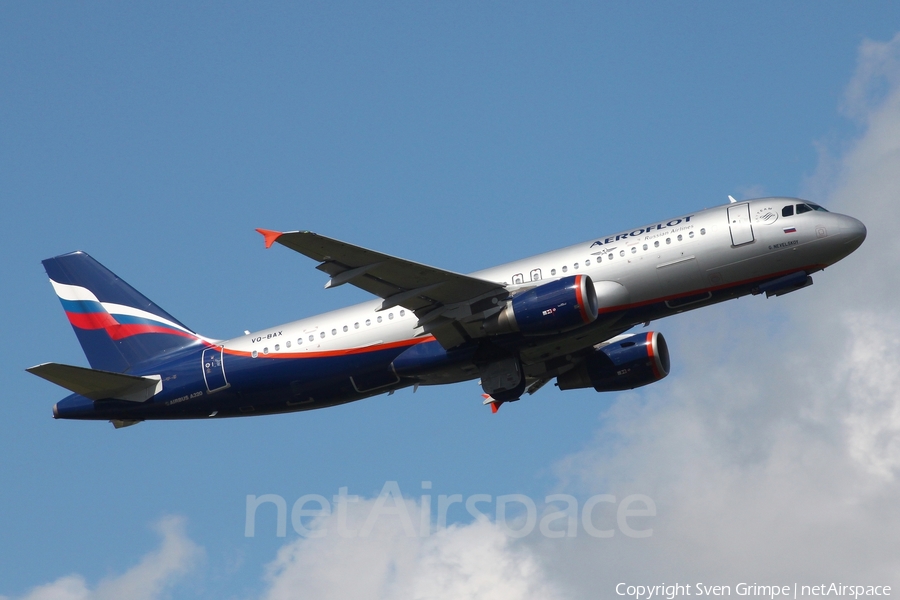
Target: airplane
(563, 315)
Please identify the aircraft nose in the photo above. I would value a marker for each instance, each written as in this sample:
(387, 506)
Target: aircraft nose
(853, 231)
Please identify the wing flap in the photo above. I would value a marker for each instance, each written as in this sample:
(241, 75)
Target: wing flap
(420, 288)
(99, 385)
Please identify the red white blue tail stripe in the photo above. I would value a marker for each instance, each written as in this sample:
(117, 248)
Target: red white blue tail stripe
(118, 327)
(85, 311)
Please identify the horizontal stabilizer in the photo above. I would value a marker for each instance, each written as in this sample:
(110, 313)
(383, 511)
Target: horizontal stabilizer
(100, 385)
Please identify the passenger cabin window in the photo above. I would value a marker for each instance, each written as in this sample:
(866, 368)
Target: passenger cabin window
(536, 275)
(565, 268)
(552, 271)
(787, 211)
(518, 279)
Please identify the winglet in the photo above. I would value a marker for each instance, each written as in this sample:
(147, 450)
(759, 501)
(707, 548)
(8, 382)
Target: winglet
(495, 405)
(270, 236)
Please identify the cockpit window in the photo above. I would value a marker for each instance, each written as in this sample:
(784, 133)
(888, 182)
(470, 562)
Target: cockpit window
(802, 208)
(787, 211)
(816, 207)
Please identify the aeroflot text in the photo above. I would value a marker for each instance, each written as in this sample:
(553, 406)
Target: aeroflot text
(639, 232)
(670, 591)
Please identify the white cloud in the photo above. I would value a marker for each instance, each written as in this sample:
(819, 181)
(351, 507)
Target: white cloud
(473, 561)
(147, 580)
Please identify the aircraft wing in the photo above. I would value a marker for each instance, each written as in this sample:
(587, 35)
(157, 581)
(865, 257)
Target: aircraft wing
(449, 305)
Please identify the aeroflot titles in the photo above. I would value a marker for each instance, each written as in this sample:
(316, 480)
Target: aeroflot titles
(642, 231)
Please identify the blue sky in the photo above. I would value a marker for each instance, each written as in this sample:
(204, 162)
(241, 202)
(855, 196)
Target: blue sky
(157, 137)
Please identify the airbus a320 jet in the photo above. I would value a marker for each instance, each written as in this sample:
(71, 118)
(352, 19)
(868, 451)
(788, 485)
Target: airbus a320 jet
(564, 315)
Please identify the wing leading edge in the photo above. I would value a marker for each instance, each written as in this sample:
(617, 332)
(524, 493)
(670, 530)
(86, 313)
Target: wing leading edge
(449, 305)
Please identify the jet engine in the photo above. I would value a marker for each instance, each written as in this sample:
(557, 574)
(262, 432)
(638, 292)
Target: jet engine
(627, 362)
(554, 307)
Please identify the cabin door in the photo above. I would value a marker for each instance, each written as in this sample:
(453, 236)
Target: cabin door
(739, 222)
(214, 369)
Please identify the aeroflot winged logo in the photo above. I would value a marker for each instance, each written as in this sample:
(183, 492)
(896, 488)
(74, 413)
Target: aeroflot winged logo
(643, 230)
(85, 311)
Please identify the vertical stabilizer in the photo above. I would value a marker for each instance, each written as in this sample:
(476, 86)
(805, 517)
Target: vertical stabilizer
(118, 327)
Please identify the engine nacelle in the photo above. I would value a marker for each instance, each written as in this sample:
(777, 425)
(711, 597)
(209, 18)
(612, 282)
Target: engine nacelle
(626, 363)
(554, 307)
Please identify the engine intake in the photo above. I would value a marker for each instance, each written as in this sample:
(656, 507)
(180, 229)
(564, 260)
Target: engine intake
(554, 307)
(626, 363)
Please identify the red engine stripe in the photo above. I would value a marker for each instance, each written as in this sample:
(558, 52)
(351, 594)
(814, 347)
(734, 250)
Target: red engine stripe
(652, 357)
(579, 296)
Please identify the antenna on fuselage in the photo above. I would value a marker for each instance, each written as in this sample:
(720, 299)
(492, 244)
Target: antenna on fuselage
(731, 199)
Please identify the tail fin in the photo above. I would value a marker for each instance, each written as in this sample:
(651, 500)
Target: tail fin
(118, 327)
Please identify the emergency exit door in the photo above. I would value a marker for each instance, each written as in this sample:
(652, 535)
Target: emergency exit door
(739, 222)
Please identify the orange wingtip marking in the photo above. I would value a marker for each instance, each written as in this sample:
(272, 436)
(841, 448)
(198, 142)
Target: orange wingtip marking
(270, 236)
(495, 406)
